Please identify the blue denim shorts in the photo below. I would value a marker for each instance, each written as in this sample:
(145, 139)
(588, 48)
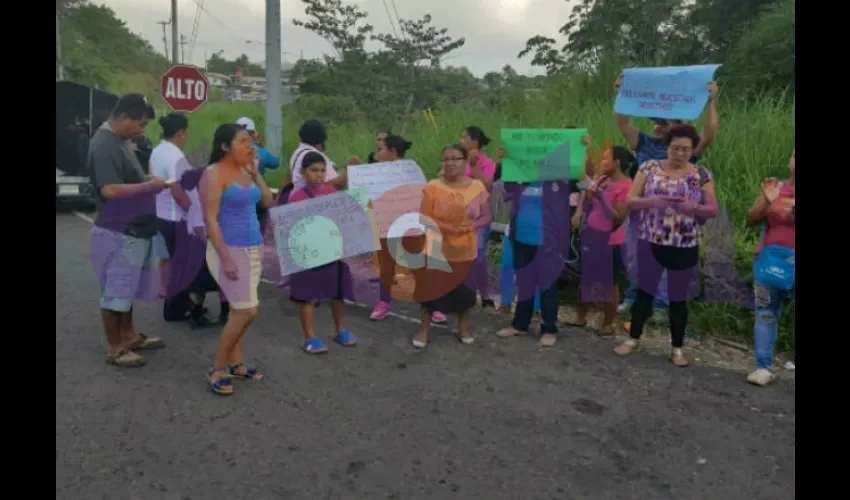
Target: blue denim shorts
(128, 271)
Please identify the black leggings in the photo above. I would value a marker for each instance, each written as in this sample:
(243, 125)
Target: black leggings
(682, 267)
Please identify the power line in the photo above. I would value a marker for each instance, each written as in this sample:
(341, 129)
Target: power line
(390, 17)
(196, 25)
(221, 24)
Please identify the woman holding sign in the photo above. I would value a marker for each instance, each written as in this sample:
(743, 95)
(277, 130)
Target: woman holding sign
(232, 190)
(392, 148)
(774, 268)
(674, 197)
(453, 209)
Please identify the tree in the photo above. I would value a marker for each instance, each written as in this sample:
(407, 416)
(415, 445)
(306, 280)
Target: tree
(338, 24)
(397, 78)
(674, 32)
(764, 56)
(97, 47)
(545, 54)
(420, 41)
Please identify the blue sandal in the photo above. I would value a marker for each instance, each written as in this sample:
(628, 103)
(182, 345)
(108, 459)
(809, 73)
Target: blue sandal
(345, 338)
(222, 385)
(314, 346)
(250, 373)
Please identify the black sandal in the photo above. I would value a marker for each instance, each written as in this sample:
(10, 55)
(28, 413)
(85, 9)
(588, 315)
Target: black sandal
(250, 373)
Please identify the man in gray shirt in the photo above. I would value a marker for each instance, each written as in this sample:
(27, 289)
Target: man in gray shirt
(122, 238)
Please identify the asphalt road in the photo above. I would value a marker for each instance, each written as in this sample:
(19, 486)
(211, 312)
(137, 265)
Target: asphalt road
(497, 420)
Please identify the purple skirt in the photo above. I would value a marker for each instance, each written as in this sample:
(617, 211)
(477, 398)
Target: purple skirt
(329, 282)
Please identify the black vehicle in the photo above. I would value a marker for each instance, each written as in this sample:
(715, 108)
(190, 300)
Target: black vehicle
(80, 110)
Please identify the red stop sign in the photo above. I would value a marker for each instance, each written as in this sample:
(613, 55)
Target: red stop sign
(184, 88)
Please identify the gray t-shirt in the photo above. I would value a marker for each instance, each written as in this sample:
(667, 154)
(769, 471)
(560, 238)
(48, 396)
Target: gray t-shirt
(112, 161)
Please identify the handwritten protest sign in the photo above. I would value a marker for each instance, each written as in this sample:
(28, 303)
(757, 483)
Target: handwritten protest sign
(395, 203)
(543, 154)
(384, 176)
(318, 231)
(361, 195)
(674, 92)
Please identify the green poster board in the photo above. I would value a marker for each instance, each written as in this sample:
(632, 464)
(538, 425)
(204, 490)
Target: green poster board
(543, 154)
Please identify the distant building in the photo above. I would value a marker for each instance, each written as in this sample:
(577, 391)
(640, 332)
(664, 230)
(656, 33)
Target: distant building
(218, 80)
(238, 87)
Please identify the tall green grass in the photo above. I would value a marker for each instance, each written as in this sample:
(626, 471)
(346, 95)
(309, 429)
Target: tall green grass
(755, 140)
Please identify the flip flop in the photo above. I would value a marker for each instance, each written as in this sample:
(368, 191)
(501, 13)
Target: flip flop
(146, 343)
(314, 346)
(548, 340)
(465, 340)
(126, 359)
(345, 338)
(508, 332)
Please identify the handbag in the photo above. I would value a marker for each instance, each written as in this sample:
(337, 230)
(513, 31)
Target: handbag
(775, 266)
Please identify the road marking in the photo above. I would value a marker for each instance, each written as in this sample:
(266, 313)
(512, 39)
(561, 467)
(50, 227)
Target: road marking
(84, 217)
(264, 280)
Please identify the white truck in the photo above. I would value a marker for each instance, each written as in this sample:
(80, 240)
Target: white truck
(80, 110)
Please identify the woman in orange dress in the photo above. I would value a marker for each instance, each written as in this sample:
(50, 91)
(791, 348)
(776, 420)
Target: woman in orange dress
(453, 208)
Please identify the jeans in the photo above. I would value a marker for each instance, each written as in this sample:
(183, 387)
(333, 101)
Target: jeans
(768, 308)
(530, 274)
(507, 275)
(480, 268)
(549, 312)
(660, 302)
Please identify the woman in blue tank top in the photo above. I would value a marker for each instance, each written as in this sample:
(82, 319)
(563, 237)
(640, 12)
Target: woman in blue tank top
(233, 190)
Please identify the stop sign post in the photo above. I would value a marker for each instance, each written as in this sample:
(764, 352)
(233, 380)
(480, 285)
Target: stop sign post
(184, 88)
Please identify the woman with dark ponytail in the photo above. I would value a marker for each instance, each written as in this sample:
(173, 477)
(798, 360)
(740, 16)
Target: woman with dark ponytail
(604, 237)
(481, 168)
(392, 148)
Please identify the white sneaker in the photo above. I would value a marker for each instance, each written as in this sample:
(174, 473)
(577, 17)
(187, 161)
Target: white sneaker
(761, 377)
(789, 365)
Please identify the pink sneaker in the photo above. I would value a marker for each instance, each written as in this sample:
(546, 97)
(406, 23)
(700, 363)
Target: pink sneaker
(382, 309)
(438, 317)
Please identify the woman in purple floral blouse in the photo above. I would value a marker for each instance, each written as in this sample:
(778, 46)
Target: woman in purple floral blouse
(674, 198)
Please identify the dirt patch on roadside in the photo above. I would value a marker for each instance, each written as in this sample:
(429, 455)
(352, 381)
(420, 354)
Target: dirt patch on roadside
(702, 350)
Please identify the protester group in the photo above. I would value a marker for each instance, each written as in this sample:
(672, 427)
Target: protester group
(638, 211)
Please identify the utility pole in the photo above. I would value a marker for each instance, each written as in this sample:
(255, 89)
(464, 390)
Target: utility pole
(183, 43)
(60, 69)
(274, 131)
(164, 35)
(175, 51)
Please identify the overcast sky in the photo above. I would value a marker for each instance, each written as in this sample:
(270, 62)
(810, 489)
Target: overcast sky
(495, 30)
